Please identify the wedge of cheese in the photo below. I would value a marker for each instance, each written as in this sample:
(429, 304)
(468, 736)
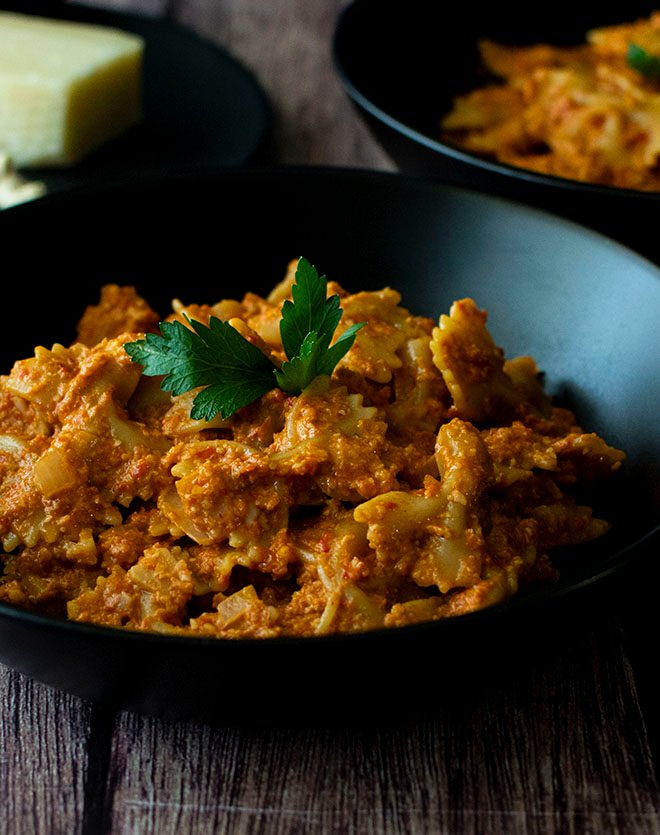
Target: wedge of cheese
(65, 88)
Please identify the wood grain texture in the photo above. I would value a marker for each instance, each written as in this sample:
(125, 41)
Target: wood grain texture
(558, 747)
(156, 8)
(44, 738)
(287, 44)
(541, 752)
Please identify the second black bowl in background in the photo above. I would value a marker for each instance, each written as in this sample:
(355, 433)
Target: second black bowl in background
(403, 61)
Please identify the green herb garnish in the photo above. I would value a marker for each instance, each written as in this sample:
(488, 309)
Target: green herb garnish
(307, 327)
(231, 371)
(640, 60)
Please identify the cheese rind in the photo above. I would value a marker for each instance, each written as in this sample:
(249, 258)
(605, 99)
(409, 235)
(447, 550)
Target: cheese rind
(65, 88)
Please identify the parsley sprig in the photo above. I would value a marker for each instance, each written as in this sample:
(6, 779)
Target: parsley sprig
(642, 61)
(230, 370)
(307, 327)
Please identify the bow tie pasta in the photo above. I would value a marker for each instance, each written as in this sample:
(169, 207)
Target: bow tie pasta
(427, 477)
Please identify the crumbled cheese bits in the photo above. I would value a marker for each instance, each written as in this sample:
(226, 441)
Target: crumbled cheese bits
(14, 188)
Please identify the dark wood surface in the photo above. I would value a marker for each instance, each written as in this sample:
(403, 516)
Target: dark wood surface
(564, 744)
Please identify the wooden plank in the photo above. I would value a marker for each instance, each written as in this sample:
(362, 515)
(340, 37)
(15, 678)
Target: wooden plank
(640, 632)
(542, 752)
(287, 44)
(148, 7)
(43, 756)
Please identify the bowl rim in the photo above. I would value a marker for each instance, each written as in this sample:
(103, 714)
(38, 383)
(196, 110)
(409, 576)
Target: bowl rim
(469, 158)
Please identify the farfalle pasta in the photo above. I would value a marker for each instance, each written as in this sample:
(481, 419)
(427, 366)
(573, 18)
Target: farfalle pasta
(427, 477)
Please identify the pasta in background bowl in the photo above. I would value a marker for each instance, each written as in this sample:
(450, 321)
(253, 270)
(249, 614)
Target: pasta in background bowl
(589, 112)
(584, 308)
(424, 57)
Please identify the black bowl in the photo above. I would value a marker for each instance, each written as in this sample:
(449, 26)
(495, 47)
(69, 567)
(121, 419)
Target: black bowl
(585, 307)
(403, 61)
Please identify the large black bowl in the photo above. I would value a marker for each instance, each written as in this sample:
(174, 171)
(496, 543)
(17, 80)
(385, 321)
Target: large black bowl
(585, 307)
(403, 61)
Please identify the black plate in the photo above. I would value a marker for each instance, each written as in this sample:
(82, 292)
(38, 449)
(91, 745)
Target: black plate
(585, 307)
(201, 106)
(403, 61)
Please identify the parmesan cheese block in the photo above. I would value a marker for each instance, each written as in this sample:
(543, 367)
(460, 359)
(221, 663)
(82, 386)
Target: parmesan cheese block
(65, 88)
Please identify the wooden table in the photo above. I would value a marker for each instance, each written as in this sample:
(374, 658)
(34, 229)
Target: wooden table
(564, 745)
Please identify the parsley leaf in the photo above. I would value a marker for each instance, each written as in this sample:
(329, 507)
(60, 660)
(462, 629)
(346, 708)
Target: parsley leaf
(309, 311)
(233, 372)
(639, 59)
(307, 327)
(331, 357)
(299, 372)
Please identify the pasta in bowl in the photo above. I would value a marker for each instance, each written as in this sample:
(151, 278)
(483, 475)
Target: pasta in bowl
(423, 476)
(588, 112)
